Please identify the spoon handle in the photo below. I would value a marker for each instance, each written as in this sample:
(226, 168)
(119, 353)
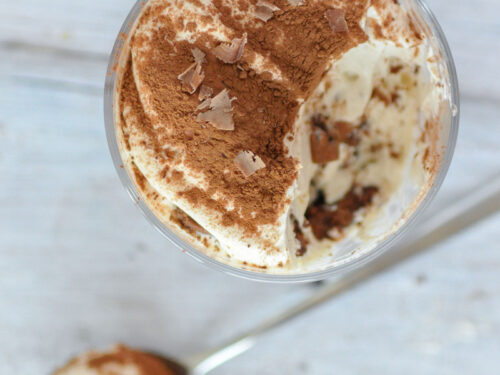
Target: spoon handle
(473, 207)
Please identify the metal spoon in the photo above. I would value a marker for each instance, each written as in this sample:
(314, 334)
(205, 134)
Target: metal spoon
(472, 208)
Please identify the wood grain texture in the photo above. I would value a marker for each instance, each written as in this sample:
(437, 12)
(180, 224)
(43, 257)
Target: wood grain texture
(81, 268)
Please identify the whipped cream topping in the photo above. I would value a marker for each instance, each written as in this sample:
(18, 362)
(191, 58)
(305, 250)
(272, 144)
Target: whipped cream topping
(250, 192)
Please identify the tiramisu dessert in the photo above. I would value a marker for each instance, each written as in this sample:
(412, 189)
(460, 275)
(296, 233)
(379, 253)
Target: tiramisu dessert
(117, 361)
(270, 134)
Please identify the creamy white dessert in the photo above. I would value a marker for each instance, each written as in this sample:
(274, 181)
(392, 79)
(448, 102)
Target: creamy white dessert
(270, 134)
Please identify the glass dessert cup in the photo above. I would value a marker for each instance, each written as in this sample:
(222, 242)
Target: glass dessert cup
(404, 208)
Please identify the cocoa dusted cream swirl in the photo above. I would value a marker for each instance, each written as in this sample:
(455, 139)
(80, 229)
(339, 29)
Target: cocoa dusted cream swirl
(264, 132)
(117, 361)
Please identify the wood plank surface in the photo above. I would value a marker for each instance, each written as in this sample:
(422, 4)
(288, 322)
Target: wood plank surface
(81, 268)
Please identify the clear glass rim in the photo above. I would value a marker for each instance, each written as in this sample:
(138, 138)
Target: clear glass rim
(350, 263)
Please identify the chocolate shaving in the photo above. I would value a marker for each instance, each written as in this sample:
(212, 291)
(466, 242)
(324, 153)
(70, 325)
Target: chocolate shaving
(265, 11)
(231, 53)
(219, 118)
(199, 56)
(192, 77)
(337, 21)
(248, 163)
(205, 92)
(204, 105)
(220, 114)
(222, 100)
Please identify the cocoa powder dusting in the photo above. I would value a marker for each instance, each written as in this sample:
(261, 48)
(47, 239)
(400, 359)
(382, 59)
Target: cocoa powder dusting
(264, 110)
(306, 39)
(146, 363)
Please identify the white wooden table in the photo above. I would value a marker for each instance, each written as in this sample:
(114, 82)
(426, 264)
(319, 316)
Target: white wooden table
(80, 267)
